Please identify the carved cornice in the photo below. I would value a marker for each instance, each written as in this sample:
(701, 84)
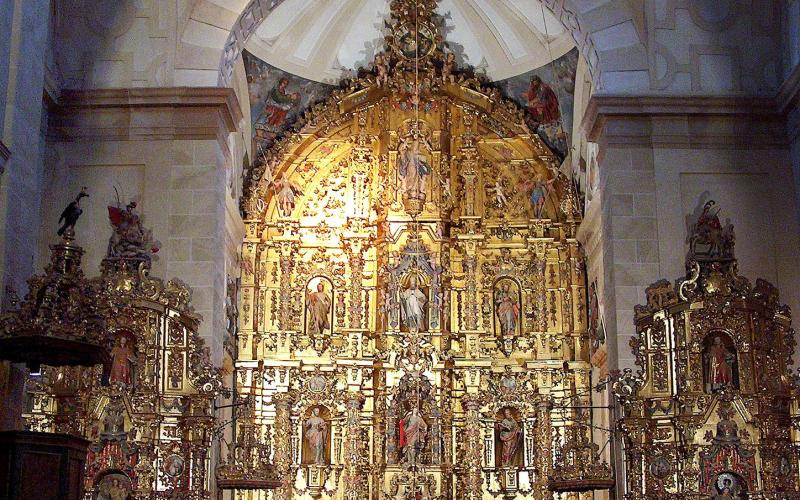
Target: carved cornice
(788, 96)
(788, 99)
(686, 121)
(5, 154)
(182, 113)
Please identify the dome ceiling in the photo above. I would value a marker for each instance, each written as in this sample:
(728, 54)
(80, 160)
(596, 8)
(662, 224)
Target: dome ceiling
(318, 40)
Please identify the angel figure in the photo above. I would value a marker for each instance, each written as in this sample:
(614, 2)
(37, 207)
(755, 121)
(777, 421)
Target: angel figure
(446, 190)
(449, 68)
(381, 70)
(500, 198)
(270, 165)
(287, 192)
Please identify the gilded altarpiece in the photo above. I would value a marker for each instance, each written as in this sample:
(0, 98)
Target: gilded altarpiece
(710, 413)
(413, 303)
(150, 413)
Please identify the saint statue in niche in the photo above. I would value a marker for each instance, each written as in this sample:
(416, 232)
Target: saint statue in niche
(509, 435)
(507, 307)
(123, 359)
(413, 432)
(413, 302)
(414, 166)
(315, 437)
(729, 486)
(318, 307)
(720, 369)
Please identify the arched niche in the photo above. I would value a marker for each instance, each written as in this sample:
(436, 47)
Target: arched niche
(507, 304)
(720, 362)
(316, 435)
(112, 484)
(124, 357)
(414, 299)
(509, 441)
(319, 311)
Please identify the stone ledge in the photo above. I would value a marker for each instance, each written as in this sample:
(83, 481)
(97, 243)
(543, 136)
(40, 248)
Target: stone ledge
(686, 121)
(168, 113)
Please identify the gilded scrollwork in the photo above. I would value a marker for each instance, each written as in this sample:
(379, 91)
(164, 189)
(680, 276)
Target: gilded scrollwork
(149, 414)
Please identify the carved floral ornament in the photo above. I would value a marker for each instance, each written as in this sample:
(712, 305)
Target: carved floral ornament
(715, 354)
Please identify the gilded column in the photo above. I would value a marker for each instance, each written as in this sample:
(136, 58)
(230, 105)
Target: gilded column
(472, 449)
(354, 477)
(544, 447)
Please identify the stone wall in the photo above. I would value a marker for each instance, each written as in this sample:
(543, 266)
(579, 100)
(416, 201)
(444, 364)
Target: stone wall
(167, 149)
(24, 34)
(662, 159)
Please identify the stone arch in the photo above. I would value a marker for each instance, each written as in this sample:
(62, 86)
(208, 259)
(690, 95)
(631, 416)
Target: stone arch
(593, 34)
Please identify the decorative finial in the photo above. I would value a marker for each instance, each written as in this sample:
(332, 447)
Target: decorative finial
(70, 216)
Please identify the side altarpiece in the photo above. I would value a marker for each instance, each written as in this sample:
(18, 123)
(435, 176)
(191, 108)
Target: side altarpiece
(149, 412)
(712, 412)
(413, 300)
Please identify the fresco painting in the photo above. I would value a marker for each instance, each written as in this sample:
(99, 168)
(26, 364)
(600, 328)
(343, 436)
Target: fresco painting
(547, 93)
(277, 99)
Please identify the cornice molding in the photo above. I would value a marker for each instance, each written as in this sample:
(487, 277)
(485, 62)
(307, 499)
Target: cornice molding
(788, 97)
(5, 154)
(164, 113)
(695, 121)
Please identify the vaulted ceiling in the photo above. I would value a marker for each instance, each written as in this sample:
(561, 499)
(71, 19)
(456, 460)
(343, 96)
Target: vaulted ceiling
(318, 39)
